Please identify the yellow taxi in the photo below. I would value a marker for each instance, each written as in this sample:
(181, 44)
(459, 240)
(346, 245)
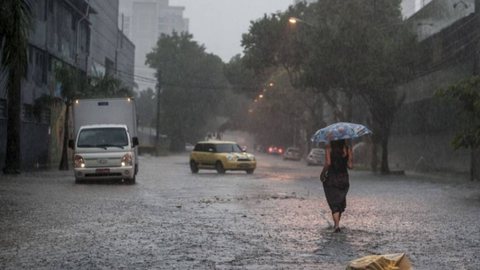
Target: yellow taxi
(221, 156)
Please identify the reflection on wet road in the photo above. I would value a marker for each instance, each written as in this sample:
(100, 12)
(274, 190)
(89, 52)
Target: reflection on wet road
(276, 218)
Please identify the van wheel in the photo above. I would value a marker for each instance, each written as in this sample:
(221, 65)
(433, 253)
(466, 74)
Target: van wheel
(219, 167)
(131, 181)
(250, 171)
(193, 166)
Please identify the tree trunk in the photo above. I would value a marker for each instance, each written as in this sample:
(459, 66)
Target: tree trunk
(384, 169)
(348, 112)
(13, 154)
(374, 161)
(472, 164)
(64, 161)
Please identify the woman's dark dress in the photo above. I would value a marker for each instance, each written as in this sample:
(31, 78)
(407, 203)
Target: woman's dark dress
(337, 184)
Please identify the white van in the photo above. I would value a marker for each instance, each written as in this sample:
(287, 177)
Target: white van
(105, 142)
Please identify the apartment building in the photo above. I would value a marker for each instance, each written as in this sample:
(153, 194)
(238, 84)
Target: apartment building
(144, 21)
(81, 34)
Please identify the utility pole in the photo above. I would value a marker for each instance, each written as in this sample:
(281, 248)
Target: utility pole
(157, 135)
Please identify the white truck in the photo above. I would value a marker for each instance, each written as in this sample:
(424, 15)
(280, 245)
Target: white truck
(105, 139)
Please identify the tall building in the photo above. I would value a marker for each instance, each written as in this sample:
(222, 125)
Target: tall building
(144, 21)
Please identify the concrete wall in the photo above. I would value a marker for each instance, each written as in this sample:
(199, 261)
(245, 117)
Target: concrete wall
(126, 61)
(104, 36)
(110, 49)
(425, 125)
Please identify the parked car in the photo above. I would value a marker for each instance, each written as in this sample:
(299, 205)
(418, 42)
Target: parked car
(221, 156)
(275, 150)
(316, 157)
(292, 153)
(189, 147)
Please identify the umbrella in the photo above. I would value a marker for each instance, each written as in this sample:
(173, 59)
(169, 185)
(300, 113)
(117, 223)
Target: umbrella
(340, 131)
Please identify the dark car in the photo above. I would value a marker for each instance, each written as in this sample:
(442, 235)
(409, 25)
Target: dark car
(275, 150)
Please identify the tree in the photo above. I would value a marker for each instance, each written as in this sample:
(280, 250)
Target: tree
(75, 84)
(192, 87)
(147, 110)
(242, 79)
(72, 84)
(466, 94)
(15, 23)
(342, 50)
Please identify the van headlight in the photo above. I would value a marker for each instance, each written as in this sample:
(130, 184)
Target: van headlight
(251, 157)
(79, 162)
(127, 160)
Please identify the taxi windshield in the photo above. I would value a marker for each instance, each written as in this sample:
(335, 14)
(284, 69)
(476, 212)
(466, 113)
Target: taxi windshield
(228, 148)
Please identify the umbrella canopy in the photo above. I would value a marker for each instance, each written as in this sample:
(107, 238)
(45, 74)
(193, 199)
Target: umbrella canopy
(340, 131)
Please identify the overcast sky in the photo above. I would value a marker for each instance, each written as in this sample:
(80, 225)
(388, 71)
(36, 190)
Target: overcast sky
(219, 24)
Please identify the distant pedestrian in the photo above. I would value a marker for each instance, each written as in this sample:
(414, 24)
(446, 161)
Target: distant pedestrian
(338, 159)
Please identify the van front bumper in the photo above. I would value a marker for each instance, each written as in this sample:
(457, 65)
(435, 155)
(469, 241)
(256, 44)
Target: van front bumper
(127, 172)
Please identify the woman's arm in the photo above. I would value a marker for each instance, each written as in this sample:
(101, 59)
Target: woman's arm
(327, 156)
(350, 158)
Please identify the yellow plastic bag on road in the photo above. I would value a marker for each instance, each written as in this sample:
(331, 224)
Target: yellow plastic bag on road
(397, 261)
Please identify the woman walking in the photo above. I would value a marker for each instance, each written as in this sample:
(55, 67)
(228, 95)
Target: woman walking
(338, 159)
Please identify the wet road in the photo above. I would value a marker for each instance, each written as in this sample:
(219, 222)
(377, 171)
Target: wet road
(276, 218)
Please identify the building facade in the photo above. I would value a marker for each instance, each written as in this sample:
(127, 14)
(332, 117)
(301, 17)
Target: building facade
(64, 32)
(144, 21)
(424, 127)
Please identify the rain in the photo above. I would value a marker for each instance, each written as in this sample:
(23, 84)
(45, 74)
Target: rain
(212, 134)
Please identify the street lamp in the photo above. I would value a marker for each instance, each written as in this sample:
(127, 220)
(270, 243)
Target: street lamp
(292, 20)
(295, 20)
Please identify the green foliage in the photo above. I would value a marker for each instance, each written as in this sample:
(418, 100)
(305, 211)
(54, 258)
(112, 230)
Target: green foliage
(106, 86)
(15, 23)
(75, 84)
(465, 94)
(242, 79)
(192, 87)
(146, 111)
(357, 48)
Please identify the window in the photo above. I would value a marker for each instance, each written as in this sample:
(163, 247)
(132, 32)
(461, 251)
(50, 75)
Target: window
(28, 115)
(103, 137)
(3, 108)
(228, 148)
(109, 65)
(199, 147)
(45, 116)
(40, 73)
(210, 148)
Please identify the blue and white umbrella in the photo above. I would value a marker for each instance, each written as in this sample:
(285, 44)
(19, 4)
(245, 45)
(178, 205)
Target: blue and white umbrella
(340, 131)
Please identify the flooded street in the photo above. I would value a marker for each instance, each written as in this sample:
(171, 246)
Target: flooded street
(276, 218)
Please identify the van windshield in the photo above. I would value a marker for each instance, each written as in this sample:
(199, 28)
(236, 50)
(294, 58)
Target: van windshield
(103, 137)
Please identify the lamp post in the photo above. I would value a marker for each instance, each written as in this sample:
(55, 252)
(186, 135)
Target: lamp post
(295, 20)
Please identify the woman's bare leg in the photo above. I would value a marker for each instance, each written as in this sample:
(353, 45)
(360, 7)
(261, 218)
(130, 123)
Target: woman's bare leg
(336, 220)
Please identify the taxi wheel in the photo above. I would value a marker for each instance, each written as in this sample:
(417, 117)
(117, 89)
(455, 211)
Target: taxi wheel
(219, 167)
(250, 171)
(193, 166)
